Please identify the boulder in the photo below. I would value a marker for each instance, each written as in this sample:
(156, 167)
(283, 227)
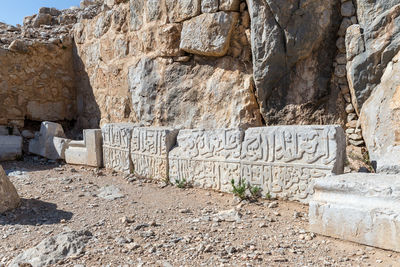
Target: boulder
(9, 198)
(208, 34)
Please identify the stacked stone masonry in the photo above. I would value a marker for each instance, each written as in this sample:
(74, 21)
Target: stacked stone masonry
(283, 161)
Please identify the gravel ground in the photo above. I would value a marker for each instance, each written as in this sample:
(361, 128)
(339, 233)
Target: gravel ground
(142, 223)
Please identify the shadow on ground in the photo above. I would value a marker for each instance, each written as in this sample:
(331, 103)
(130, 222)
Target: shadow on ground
(35, 212)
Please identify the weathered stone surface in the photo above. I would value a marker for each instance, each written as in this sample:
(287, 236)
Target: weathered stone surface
(87, 152)
(367, 65)
(116, 146)
(207, 158)
(10, 147)
(362, 208)
(37, 82)
(283, 161)
(229, 5)
(380, 120)
(136, 11)
(208, 34)
(180, 10)
(149, 151)
(54, 249)
(284, 49)
(209, 6)
(9, 198)
(50, 142)
(286, 160)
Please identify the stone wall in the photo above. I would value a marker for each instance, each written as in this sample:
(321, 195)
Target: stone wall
(37, 82)
(162, 63)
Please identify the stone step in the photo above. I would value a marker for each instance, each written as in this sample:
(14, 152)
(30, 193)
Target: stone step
(359, 207)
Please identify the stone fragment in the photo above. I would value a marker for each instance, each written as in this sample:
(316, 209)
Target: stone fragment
(349, 108)
(9, 130)
(10, 147)
(229, 5)
(180, 10)
(362, 208)
(9, 198)
(209, 6)
(54, 249)
(208, 34)
(285, 161)
(347, 9)
(19, 46)
(149, 151)
(207, 158)
(50, 142)
(87, 152)
(110, 192)
(136, 8)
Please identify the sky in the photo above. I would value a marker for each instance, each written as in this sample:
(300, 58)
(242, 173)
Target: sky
(14, 11)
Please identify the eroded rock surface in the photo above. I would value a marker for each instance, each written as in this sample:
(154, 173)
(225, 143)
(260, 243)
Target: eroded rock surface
(9, 198)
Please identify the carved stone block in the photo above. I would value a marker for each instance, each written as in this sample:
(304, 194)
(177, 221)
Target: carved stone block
(116, 146)
(207, 158)
(359, 207)
(149, 151)
(285, 160)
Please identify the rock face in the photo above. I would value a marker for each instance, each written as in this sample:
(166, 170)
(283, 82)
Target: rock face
(371, 46)
(9, 198)
(380, 120)
(139, 70)
(372, 53)
(54, 249)
(292, 58)
(362, 208)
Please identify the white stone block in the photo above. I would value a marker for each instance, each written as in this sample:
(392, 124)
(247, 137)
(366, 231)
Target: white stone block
(363, 208)
(10, 147)
(116, 146)
(149, 151)
(286, 160)
(87, 152)
(207, 158)
(50, 142)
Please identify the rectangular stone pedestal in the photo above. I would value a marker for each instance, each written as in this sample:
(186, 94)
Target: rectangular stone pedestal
(116, 146)
(149, 151)
(363, 208)
(10, 147)
(87, 152)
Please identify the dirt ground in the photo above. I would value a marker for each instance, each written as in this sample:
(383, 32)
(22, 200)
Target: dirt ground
(158, 225)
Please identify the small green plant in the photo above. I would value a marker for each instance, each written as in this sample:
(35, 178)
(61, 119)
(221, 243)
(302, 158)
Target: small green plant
(239, 190)
(268, 196)
(181, 183)
(255, 191)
